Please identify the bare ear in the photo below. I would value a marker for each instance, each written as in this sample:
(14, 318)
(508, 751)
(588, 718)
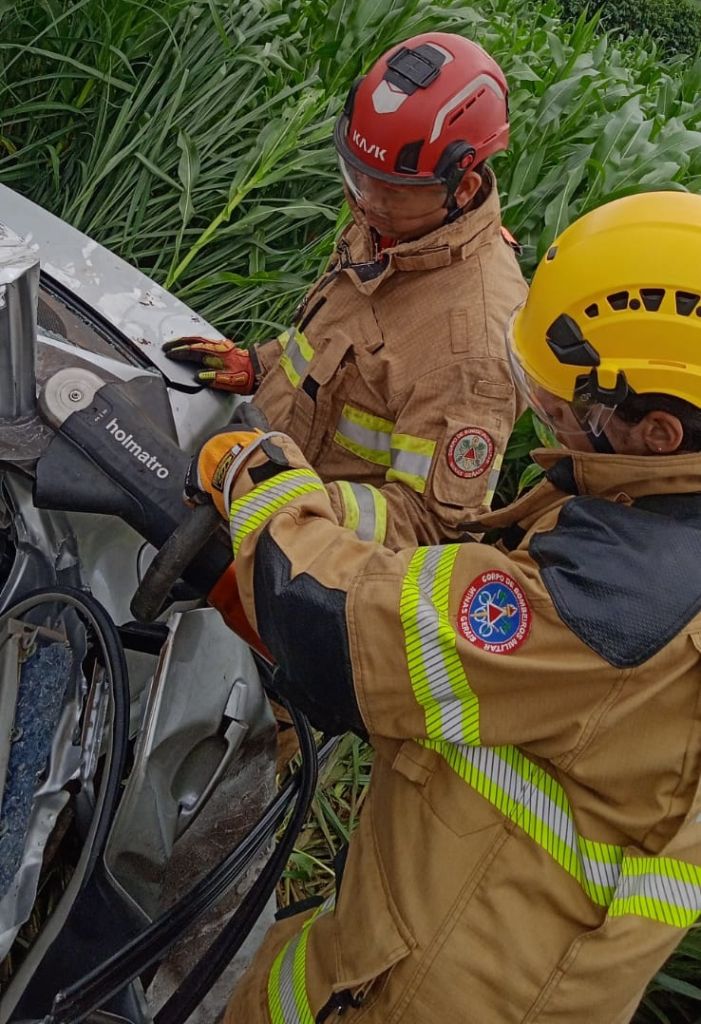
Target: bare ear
(661, 432)
(468, 188)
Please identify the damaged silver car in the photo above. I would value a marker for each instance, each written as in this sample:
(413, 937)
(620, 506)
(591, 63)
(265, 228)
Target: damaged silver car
(134, 757)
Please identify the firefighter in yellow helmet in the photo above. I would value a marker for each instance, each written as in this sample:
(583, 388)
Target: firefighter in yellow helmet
(530, 849)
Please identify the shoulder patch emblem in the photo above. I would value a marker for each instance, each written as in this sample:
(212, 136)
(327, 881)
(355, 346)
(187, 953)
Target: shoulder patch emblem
(494, 614)
(470, 452)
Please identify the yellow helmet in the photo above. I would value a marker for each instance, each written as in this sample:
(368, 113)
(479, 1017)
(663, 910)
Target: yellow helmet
(615, 305)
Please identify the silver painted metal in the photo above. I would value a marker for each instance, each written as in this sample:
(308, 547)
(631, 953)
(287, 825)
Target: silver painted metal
(191, 732)
(138, 307)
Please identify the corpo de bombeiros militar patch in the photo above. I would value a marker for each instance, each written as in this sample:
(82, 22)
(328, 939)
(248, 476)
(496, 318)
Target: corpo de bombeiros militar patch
(494, 614)
(470, 452)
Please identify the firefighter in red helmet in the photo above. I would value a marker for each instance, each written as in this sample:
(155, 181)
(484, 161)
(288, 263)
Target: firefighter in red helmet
(392, 377)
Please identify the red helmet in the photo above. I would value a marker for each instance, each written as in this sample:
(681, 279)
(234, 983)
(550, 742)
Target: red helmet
(428, 110)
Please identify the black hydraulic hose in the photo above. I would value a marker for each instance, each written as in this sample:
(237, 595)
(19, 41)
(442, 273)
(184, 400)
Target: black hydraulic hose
(117, 676)
(72, 1004)
(208, 969)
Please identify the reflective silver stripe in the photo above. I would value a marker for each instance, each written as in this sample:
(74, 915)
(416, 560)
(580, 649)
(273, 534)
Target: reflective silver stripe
(547, 809)
(660, 887)
(410, 463)
(372, 442)
(529, 796)
(442, 679)
(288, 1003)
(493, 479)
(372, 512)
(252, 510)
(294, 355)
(603, 873)
(365, 529)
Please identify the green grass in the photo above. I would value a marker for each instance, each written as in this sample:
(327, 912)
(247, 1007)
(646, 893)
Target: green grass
(194, 140)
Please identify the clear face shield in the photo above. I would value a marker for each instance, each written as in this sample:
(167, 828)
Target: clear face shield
(574, 423)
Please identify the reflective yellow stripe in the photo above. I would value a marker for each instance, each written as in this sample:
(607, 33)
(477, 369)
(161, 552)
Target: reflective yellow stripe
(380, 503)
(365, 510)
(493, 479)
(296, 356)
(407, 458)
(253, 509)
(436, 673)
(288, 1002)
(665, 889)
(351, 512)
(411, 458)
(367, 420)
(364, 435)
(660, 888)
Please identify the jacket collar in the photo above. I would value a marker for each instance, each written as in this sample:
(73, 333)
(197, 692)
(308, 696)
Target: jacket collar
(608, 476)
(440, 248)
(616, 477)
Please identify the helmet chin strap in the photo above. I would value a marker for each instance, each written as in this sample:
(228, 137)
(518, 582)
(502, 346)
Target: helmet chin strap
(599, 442)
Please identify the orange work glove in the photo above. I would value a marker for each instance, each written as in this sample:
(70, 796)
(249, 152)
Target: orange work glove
(215, 467)
(231, 367)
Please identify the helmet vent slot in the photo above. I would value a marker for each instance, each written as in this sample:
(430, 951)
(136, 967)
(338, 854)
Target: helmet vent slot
(462, 110)
(592, 311)
(619, 300)
(686, 302)
(652, 298)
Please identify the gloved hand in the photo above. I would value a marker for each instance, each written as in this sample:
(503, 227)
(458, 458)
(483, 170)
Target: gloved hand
(231, 367)
(214, 468)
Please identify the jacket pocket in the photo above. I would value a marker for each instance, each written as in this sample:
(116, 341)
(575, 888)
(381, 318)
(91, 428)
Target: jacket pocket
(370, 936)
(467, 462)
(458, 807)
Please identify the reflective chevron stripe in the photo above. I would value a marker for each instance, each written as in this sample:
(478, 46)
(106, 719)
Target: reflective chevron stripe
(660, 888)
(365, 435)
(296, 356)
(365, 510)
(411, 459)
(253, 509)
(435, 670)
(288, 1002)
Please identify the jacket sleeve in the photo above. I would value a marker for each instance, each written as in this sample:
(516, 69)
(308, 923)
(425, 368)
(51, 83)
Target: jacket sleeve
(451, 644)
(265, 356)
(446, 448)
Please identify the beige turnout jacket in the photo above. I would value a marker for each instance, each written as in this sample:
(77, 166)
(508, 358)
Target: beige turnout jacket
(394, 382)
(530, 849)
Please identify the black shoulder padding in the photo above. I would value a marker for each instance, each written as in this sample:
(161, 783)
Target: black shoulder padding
(625, 579)
(304, 625)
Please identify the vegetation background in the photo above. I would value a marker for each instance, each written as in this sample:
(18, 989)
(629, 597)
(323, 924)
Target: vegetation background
(194, 140)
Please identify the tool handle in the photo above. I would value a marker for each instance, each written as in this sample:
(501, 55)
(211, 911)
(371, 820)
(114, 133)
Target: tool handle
(186, 541)
(181, 548)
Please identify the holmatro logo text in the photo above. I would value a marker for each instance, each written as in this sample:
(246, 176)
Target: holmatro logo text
(134, 448)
